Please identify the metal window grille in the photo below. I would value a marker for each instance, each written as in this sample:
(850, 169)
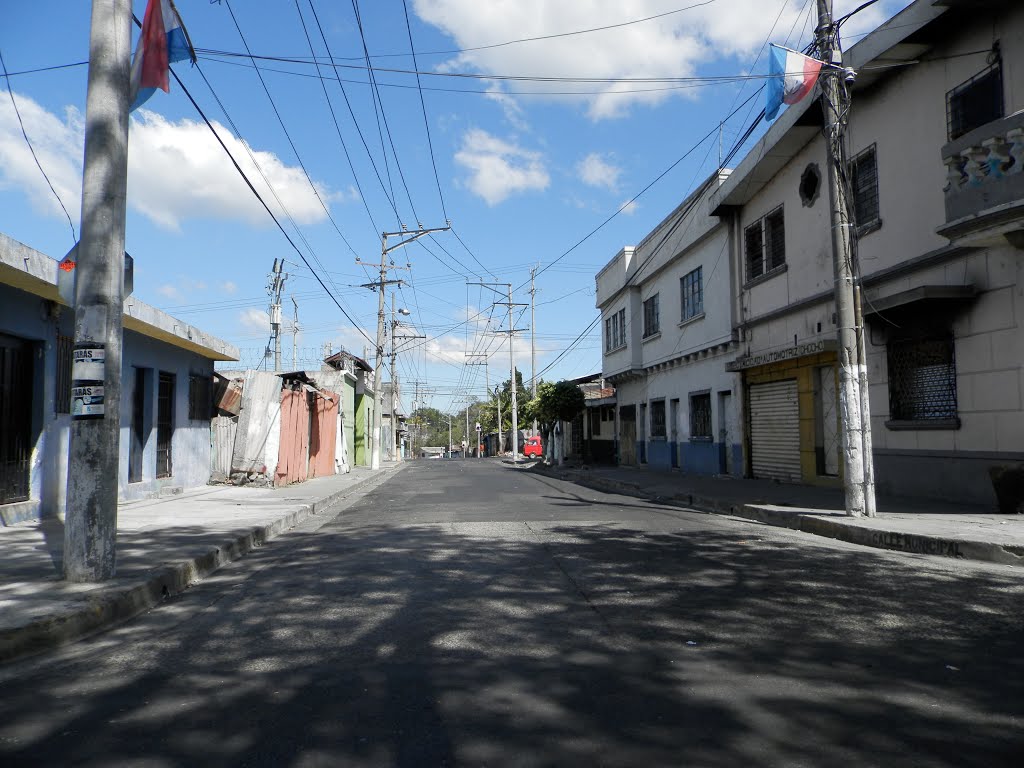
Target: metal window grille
(693, 293)
(620, 322)
(62, 397)
(864, 184)
(200, 398)
(975, 102)
(658, 418)
(608, 343)
(651, 322)
(700, 415)
(775, 239)
(753, 239)
(922, 379)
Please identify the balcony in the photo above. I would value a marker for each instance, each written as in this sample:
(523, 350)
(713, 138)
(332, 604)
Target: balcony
(985, 185)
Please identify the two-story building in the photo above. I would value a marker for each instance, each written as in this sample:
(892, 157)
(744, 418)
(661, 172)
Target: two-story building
(935, 147)
(667, 319)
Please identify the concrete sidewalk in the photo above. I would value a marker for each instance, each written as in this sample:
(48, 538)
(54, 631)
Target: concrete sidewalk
(905, 525)
(163, 546)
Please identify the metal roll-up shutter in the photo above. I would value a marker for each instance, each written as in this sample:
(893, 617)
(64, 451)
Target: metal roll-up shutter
(775, 430)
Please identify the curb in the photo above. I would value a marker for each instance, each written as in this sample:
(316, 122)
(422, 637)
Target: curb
(118, 604)
(816, 524)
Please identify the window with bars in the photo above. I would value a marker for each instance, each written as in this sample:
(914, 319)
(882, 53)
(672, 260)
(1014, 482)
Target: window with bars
(62, 396)
(652, 324)
(975, 102)
(200, 397)
(700, 416)
(692, 287)
(922, 379)
(615, 331)
(764, 244)
(658, 418)
(864, 188)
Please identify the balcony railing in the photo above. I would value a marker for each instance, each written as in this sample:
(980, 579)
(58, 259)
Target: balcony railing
(985, 182)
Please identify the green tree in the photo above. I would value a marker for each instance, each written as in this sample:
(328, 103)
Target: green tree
(561, 401)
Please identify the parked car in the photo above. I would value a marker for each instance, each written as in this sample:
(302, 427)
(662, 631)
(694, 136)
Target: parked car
(533, 447)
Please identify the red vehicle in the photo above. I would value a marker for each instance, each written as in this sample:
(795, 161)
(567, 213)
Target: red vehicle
(532, 447)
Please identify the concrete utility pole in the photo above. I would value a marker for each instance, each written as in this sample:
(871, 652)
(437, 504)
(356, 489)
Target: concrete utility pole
(533, 342)
(407, 237)
(853, 395)
(90, 523)
(512, 367)
(396, 452)
(275, 288)
(295, 334)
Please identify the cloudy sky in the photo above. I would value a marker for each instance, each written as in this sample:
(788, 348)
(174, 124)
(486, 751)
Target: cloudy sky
(527, 126)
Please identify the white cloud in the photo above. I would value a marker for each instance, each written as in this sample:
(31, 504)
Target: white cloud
(254, 320)
(229, 287)
(178, 171)
(629, 207)
(672, 46)
(58, 145)
(595, 171)
(169, 291)
(499, 168)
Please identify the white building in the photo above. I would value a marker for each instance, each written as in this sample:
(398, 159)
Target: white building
(936, 148)
(667, 319)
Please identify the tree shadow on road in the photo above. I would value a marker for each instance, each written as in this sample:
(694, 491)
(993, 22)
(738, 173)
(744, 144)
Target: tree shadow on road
(554, 644)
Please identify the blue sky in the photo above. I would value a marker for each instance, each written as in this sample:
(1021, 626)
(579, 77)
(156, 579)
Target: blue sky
(525, 145)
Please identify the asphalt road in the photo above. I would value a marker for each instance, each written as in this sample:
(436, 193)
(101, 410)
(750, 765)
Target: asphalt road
(468, 613)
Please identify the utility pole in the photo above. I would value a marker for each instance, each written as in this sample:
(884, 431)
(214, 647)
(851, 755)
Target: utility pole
(295, 334)
(479, 411)
(533, 342)
(853, 395)
(275, 287)
(407, 237)
(512, 366)
(90, 524)
(397, 454)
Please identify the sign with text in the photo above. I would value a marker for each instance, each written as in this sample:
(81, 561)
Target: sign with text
(87, 402)
(88, 362)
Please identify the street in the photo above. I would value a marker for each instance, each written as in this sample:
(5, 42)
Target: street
(470, 613)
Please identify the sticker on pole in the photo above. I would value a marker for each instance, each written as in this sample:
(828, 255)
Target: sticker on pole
(87, 402)
(88, 362)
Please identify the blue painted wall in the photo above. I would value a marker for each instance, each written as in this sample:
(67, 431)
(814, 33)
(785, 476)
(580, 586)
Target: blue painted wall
(31, 318)
(701, 457)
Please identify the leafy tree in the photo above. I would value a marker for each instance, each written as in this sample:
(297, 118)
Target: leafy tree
(561, 401)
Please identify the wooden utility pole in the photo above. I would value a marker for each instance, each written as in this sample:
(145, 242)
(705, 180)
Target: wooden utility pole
(90, 523)
(853, 395)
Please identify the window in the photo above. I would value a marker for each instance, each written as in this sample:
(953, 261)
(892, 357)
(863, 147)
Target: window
(199, 397)
(765, 244)
(595, 422)
(692, 285)
(864, 187)
(651, 324)
(657, 418)
(975, 102)
(62, 396)
(700, 416)
(615, 331)
(922, 379)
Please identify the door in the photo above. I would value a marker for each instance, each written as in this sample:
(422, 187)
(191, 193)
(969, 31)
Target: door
(15, 418)
(137, 433)
(164, 425)
(627, 435)
(725, 436)
(826, 432)
(775, 430)
(674, 431)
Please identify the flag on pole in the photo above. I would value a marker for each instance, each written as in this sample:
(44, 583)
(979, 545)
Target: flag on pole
(791, 76)
(163, 41)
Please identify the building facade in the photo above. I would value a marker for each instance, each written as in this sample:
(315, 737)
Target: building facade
(167, 370)
(935, 150)
(667, 318)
